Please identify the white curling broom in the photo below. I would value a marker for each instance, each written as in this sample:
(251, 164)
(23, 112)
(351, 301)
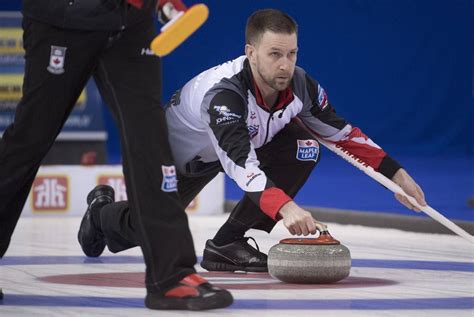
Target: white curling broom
(388, 183)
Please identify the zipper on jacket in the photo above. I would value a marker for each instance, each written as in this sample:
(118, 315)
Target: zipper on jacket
(268, 125)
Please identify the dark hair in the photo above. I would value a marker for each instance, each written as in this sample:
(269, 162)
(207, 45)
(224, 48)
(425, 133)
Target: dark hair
(268, 20)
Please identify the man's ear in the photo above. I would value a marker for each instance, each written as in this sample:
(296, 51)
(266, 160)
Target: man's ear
(250, 52)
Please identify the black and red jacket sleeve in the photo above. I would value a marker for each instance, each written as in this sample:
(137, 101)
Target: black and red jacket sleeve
(319, 116)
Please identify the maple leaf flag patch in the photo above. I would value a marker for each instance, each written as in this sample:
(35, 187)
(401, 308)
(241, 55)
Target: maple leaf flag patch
(308, 150)
(56, 60)
(170, 182)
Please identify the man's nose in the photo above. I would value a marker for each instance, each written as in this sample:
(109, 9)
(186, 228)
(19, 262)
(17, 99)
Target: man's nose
(284, 66)
(285, 63)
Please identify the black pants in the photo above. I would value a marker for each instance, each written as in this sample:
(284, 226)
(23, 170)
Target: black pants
(130, 82)
(278, 159)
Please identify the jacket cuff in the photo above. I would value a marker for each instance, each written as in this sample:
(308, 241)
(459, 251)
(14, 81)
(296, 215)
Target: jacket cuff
(388, 167)
(271, 201)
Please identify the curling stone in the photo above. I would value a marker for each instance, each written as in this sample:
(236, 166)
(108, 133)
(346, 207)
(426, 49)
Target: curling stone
(309, 260)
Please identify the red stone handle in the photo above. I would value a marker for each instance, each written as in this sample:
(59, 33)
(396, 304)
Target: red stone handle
(324, 239)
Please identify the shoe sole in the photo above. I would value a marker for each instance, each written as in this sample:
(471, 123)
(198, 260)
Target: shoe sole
(220, 300)
(225, 267)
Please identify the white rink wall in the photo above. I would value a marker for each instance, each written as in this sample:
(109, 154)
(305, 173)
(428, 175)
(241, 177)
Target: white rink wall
(62, 190)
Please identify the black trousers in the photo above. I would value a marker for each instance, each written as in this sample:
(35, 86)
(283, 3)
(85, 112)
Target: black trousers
(130, 82)
(278, 159)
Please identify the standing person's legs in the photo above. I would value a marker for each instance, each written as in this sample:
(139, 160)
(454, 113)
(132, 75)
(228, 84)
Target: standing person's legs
(58, 64)
(131, 84)
(130, 81)
(280, 161)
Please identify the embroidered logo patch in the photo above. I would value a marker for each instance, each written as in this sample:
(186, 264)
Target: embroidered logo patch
(322, 98)
(308, 150)
(146, 51)
(251, 177)
(253, 130)
(222, 110)
(225, 116)
(56, 60)
(170, 182)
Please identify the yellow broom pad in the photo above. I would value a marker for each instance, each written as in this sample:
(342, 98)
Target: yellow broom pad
(179, 29)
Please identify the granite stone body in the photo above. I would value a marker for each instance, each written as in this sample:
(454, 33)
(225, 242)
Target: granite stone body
(309, 263)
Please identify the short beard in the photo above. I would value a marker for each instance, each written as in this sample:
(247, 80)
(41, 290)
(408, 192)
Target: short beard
(272, 82)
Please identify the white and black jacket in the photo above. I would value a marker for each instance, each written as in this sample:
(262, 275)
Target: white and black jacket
(220, 117)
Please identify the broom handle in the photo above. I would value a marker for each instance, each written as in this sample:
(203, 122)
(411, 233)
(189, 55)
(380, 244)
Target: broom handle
(388, 183)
